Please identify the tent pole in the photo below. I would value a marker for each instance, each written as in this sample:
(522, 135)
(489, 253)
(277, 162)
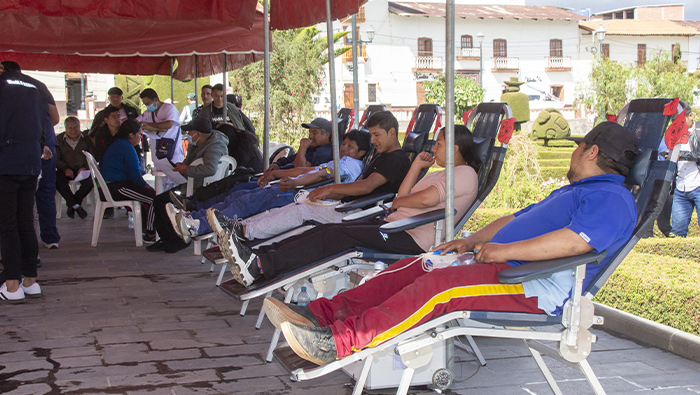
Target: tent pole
(172, 84)
(331, 75)
(223, 63)
(196, 86)
(449, 117)
(355, 78)
(266, 103)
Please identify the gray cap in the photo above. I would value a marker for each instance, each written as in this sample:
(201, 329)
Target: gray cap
(319, 123)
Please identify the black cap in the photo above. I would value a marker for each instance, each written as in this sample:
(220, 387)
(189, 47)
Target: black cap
(613, 140)
(200, 124)
(130, 126)
(115, 91)
(319, 123)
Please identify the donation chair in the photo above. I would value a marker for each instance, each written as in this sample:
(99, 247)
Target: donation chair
(424, 353)
(369, 111)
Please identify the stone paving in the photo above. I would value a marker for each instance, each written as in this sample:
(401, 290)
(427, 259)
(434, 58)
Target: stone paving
(117, 319)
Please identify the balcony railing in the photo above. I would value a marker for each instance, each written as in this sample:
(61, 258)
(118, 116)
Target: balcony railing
(361, 55)
(506, 64)
(469, 53)
(428, 62)
(558, 63)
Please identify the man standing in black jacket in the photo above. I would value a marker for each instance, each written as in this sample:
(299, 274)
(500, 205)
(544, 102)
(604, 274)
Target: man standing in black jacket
(115, 101)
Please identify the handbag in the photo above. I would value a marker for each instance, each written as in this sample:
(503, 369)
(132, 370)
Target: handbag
(165, 147)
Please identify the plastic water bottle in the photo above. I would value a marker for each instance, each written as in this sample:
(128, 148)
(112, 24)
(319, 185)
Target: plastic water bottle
(131, 219)
(303, 299)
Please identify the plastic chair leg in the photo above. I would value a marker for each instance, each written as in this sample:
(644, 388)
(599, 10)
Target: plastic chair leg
(97, 223)
(59, 205)
(136, 208)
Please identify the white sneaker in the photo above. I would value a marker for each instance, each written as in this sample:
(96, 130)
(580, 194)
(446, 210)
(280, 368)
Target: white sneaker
(172, 214)
(187, 227)
(11, 297)
(32, 291)
(52, 246)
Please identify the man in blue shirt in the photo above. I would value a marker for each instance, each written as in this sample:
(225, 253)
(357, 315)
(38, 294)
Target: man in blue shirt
(594, 213)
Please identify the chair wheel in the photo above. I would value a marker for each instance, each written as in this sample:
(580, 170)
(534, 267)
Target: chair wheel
(442, 379)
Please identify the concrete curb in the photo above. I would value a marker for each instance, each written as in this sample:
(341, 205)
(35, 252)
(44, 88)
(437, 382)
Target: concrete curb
(650, 332)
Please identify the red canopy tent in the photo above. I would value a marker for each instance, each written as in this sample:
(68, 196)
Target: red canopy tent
(129, 37)
(290, 14)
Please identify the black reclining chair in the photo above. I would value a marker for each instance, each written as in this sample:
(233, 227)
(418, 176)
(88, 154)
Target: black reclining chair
(425, 350)
(369, 111)
(346, 118)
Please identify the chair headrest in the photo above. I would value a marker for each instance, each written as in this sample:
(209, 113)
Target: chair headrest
(413, 142)
(481, 149)
(640, 168)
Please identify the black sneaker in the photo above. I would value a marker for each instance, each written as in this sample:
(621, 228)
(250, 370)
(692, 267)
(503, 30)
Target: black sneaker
(179, 201)
(311, 343)
(70, 212)
(240, 257)
(149, 238)
(279, 312)
(220, 223)
(157, 246)
(109, 213)
(174, 246)
(81, 212)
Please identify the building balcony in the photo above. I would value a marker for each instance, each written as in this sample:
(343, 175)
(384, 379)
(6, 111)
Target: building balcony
(361, 55)
(428, 63)
(360, 17)
(506, 65)
(468, 54)
(558, 63)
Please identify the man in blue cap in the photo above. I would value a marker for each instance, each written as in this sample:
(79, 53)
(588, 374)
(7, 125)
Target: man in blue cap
(186, 115)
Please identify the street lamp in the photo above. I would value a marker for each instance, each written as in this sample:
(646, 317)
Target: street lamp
(600, 35)
(480, 37)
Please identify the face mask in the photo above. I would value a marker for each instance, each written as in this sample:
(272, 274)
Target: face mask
(153, 107)
(189, 138)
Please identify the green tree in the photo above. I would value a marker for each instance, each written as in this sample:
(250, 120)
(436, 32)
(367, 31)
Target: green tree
(467, 93)
(133, 85)
(606, 90)
(296, 76)
(662, 77)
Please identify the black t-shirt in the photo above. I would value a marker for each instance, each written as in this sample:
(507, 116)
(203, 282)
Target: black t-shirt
(393, 166)
(218, 116)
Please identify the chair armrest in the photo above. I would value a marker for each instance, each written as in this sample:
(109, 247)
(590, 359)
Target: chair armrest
(544, 269)
(366, 213)
(364, 202)
(414, 222)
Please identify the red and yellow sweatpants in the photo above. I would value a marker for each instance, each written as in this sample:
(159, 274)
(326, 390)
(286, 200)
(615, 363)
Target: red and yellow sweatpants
(404, 296)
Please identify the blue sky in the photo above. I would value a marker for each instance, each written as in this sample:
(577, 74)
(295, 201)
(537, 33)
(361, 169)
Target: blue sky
(692, 7)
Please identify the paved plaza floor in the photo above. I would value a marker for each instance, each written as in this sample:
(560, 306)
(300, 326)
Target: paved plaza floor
(116, 319)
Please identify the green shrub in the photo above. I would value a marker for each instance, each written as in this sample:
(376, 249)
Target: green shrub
(678, 247)
(558, 144)
(484, 216)
(563, 162)
(553, 154)
(657, 287)
(550, 125)
(554, 172)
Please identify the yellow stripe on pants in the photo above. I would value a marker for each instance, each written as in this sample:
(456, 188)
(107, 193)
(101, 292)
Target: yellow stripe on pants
(444, 297)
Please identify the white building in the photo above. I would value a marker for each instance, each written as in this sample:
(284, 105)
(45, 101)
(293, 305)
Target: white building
(538, 44)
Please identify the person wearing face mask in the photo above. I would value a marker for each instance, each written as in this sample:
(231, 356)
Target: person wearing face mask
(205, 143)
(162, 119)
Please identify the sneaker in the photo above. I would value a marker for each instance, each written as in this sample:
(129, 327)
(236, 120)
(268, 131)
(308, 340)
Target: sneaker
(311, 343)
(178, 201)
(32, 291)
(52, 246)
(157, 246)
(38, 262)
(11, 297)
(149, 238)
(172, 215)
(239, 256)
(109, 213)
(188, 227)
(81, 212)
(279, 312)
(219, 223)
(70, 212)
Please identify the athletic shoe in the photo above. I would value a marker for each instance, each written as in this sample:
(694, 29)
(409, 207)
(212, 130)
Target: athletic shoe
(149, 238)
(178, 201)
(32, 291)
(81, 212)
(70, 212)
(11, 297)
(311, 343)
(174, 246)
(188, 227)
(240, 257)
(220, 223)
(109, 213)
(172, 212)
(279, 312)
(51, 246)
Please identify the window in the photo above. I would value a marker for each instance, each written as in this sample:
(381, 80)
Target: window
(618, 15)
(641, 54)
(557, 91)
(555, 48)
(500, 48)
(348, 37)
(425, 46)
(629, 14)
(467, 41)
(372, 93)
(606, 51)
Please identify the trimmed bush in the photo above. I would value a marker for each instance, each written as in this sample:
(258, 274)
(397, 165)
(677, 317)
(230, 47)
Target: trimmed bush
(550, 125)
(657, 287)
(545, 163)
(553, 154)
(484, 216)
(554, 172)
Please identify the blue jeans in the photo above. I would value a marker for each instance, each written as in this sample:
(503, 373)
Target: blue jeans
(245, 203)
(683, 204)
(243, 186)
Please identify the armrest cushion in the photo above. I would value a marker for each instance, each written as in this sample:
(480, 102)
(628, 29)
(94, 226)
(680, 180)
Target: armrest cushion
(414, 222)
(544, 269)
(371, 212)
(364, 202)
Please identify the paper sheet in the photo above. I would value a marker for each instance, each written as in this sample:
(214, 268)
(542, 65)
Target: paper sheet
(165, 166)
(83, 175)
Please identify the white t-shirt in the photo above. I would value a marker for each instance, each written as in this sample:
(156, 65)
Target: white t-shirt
(166, 112)
(688, 175)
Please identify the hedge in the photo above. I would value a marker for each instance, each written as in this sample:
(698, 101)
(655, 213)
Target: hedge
(561, 162)
(548, 155)
(553, 172)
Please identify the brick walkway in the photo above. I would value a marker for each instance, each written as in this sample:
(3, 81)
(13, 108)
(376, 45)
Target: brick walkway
(117, 319)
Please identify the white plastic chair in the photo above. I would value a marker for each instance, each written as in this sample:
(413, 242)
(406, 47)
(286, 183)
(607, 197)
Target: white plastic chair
(100, 206)
(73, 187)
